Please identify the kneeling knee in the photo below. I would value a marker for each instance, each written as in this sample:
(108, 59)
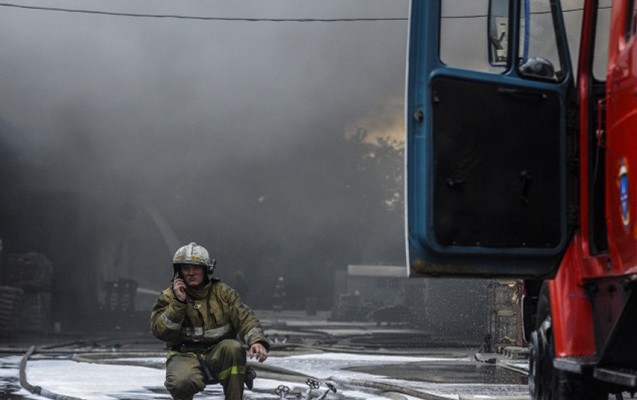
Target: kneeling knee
(232, 347)
(231, 344)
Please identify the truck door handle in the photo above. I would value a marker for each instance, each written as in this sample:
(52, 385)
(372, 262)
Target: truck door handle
(454, 182)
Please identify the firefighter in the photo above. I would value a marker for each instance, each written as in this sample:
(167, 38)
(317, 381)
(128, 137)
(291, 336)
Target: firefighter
(200, 318)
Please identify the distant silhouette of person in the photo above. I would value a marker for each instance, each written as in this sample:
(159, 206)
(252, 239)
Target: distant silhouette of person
(279, 295)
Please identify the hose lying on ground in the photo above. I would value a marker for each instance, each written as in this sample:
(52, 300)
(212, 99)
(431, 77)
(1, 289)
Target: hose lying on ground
(384, 387)
(37, 389)
(123, 358)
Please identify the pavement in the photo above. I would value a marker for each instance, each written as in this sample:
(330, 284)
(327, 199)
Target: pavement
(362, 359)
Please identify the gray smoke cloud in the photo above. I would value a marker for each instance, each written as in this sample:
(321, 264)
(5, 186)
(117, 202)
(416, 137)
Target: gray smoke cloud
(171, 130)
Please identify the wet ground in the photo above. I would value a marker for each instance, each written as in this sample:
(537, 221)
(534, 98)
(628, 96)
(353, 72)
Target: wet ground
(463, 372)
(361, 361)
(355, 377)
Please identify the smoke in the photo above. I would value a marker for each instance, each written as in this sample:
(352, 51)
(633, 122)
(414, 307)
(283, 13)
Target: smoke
(228, 132)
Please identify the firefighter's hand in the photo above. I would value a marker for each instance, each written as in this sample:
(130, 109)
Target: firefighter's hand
(257, 350)
(179, 288)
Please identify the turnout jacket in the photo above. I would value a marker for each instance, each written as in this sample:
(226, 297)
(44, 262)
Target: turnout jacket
(209, 315)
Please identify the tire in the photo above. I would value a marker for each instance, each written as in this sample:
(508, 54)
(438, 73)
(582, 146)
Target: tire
(543, 382)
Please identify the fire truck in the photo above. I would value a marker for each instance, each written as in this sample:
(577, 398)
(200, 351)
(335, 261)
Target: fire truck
(520, 153)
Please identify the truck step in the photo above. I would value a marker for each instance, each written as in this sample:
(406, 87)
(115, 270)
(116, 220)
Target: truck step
(623, 377)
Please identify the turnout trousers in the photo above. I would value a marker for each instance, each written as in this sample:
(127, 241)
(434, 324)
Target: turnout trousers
(226, 364)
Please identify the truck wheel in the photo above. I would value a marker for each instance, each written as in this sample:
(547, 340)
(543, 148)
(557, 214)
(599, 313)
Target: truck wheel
(542, 378)
(543, 381)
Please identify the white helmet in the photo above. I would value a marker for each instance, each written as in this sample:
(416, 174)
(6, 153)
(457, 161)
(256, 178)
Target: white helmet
(194, 254)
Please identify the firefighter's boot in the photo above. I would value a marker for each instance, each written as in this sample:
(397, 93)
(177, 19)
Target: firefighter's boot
(251, 375)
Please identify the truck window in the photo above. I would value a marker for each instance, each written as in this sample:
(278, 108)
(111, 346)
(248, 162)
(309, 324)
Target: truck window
(464, 37)
(475, 35)
(538, 53)
(600, 56)
(572, 12)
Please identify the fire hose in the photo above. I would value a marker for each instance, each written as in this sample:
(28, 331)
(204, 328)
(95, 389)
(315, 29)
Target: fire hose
(394, 391)
(37, 389)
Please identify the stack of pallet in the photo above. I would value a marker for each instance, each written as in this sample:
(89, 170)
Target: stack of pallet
(32, 273)
(10, 300)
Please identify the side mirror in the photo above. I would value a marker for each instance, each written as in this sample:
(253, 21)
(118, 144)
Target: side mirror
(498, 32)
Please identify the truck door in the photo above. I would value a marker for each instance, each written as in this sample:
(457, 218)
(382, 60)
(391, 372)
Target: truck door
(487, 147)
